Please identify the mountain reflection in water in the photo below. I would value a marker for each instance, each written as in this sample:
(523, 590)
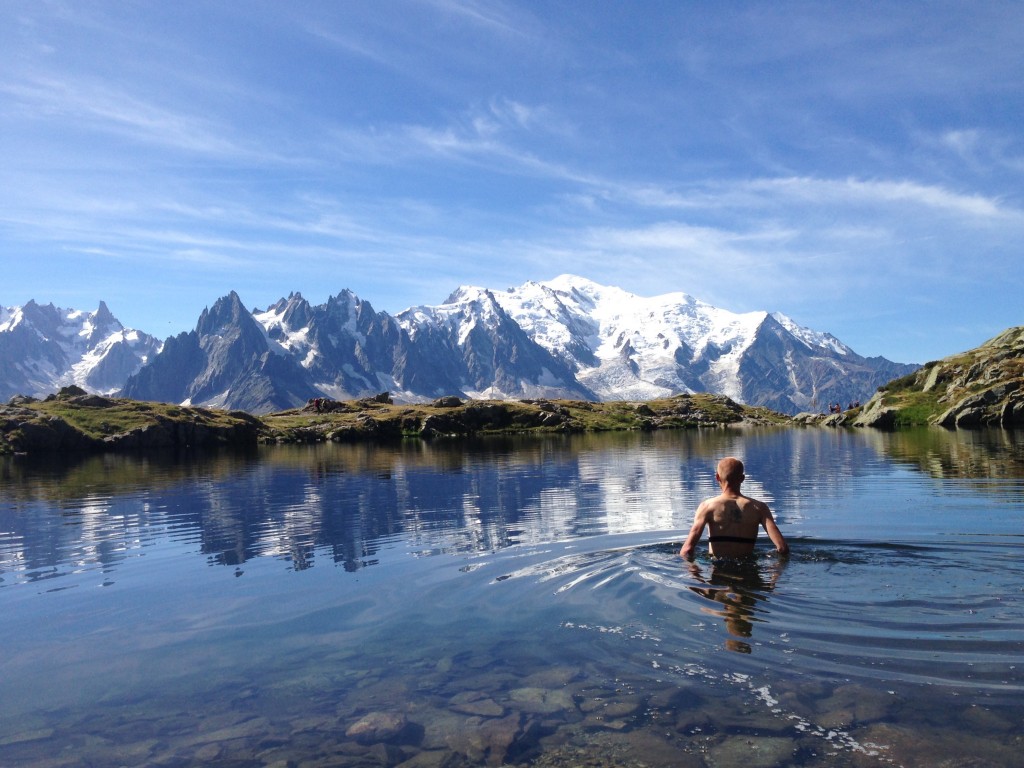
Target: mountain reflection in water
(515, 600)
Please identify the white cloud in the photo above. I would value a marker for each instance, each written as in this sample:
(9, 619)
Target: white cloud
(107, 108)
(962, 142)
(494, 16)
(683, 238)
(837, 191)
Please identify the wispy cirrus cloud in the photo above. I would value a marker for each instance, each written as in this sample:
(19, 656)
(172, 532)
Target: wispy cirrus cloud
(683, 238)
(499, 138)
(793, 196)
(104, 107)
(984, 152)
(883, 192)
(495, 16)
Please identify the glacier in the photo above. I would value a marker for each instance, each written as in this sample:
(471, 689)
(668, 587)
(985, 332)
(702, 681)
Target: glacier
(568, 337)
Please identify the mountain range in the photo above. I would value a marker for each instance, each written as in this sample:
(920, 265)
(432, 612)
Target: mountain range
(566, 338)
(44, 348)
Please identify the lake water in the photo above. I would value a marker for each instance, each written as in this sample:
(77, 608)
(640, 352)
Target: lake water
(516, 601)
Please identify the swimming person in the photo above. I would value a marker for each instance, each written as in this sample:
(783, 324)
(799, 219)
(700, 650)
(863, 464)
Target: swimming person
(733, 519)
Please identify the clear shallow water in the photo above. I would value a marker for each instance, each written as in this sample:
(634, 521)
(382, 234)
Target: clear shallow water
(516, 601)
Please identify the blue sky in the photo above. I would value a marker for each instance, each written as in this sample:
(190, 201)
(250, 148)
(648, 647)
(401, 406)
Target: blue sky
(856, 166)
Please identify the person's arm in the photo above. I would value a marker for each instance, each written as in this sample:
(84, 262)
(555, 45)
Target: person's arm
(773, 532)
(699, 521)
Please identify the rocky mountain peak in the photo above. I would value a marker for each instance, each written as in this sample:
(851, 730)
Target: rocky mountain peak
(102, 324)
(565, 338)
(226, 312)
(44, 348)
(103, 315)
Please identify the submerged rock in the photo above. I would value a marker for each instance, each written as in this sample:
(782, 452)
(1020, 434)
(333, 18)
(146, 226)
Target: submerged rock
(431, 758)
(542, 701)
(853, 705)
(490, 741)
(476, 703)
(377, 727)
(752, 752)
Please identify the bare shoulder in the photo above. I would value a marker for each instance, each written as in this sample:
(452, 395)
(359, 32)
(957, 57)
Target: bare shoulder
(705, 508)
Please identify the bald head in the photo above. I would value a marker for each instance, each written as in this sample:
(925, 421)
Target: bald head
(730, 471)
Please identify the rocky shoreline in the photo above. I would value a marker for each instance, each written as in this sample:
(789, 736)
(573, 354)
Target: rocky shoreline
(75, 421)
(980, 388)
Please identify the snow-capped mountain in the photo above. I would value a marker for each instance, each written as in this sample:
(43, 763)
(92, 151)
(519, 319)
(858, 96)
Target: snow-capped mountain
(346, 348)
(467, 346)
(480, 350)
(44, 348)
(565, 338)
(228, 361)
(623, 346)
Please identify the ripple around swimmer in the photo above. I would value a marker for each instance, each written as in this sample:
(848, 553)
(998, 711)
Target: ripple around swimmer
(921, 615)
(673, 620)
(821, 644)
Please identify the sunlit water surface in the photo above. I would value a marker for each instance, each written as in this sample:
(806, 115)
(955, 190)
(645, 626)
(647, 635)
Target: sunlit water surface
(518, 602)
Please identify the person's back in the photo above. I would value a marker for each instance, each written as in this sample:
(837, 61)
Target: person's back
(732, 519)
(733, 522)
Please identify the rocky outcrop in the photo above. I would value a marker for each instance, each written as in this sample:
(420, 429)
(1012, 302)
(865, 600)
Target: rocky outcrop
(983, 387)
(170, 434)
(1001, 405)
(83, 422)
(875, 414)
(23, 430)
(370, 418)
(496, 417)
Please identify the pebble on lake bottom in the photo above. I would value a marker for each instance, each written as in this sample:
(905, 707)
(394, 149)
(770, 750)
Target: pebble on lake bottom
(752, 752)
(563, 716)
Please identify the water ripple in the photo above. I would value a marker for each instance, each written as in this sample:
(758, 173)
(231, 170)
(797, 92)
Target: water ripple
(850, 610)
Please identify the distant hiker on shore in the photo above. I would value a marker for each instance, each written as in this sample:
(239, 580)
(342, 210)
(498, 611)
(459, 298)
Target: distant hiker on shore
(732, 518)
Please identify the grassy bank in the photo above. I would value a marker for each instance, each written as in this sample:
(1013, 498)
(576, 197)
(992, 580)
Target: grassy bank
(75, 421)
